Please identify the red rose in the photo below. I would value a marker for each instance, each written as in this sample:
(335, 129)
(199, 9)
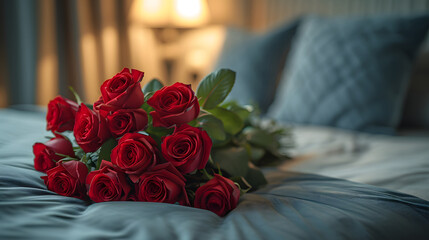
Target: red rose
(219, 195)
(174, 105)
(68, 179)
(45, 156)
(134, 154)
(188, 148)
(107, 184)
(61, 114)
(90, 130)
(163, 183)
(127, 120)
(123, 91)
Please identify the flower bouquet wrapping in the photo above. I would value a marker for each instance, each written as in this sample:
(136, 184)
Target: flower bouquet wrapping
(158, 144)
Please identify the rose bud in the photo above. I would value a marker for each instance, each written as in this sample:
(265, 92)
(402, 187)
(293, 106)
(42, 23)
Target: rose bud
(61, 114)
(134, 154)
(163, 183)
(107, 184)
(174, 105)
(188, 148)
(123, 91)
(219, 195)
(127, 120)
(45, 156)
(68, 179)
(90, 130)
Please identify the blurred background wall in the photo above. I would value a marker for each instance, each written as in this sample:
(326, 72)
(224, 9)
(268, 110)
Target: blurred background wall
(48, 45)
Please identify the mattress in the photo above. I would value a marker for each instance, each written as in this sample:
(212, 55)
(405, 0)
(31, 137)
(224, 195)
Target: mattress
(341, 185)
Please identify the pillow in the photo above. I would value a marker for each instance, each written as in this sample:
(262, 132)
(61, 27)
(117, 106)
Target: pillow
(258, 61)
(349, 73)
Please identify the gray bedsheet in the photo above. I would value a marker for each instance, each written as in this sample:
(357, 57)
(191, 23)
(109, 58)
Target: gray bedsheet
(399, 163)
(292, 206)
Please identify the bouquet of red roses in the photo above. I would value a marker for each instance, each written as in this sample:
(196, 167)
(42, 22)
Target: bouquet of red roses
(160, 144)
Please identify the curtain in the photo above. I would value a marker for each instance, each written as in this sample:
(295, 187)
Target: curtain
(49, 45)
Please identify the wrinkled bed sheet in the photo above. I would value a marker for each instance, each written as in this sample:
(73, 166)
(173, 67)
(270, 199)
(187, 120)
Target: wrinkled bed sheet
(293, 206)
(399, 163)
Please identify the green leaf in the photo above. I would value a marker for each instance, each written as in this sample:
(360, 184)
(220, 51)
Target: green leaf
(260, 138)
(66, 159)
(84, 159)
(206, 174)
(148, 95)
(152, 86)
(222, 143)
(106, 150)
(241, 111)
(91, 159)
(232, 123)
(215, 87)
(271, 160)
(158, 132)
(234, 160)
(213, 126)
(147, 108)
(242, 183)
(78, 99)
(255, 178)
(78, 152)
(191, 195)
(66, 156)
(90, 106)
(256, 153)
(155, 132)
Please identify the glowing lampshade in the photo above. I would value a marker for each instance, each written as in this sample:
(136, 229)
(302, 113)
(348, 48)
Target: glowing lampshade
(170, 13)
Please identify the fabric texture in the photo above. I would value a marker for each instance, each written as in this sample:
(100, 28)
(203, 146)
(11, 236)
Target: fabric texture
(416, 107)
(398, 163)
(292, 206)
(350, 73)
(258, 61)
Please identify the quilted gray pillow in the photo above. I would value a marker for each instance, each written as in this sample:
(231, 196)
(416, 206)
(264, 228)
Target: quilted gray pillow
(349, 73)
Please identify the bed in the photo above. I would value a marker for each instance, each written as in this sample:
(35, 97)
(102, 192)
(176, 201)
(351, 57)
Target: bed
(303, 200)
(355, 173)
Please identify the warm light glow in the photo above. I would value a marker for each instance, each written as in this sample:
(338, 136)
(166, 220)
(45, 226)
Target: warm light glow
(90, 65)
(47, 62)
(152, 5)
(47, 76)
(145, 54)
(188, 8)
(197, 58)
(109, 43)
(170, 13)
(153, 13)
